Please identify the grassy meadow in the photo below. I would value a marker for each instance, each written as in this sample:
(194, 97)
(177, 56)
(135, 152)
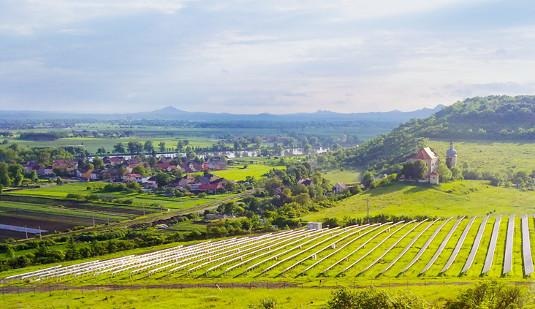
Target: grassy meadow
(342, 175)
(498, 157)
(198, 297)
(448, 199)
(237, 173)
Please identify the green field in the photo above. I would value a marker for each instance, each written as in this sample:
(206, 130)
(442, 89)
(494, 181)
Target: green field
(497, 157)
(198, 297)
(237, 173)
(342, 175)
(139, 199)
(449, 199)
(92, 144)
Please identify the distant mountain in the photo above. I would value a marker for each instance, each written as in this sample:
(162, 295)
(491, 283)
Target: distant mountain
(172, 113)
(481, 118)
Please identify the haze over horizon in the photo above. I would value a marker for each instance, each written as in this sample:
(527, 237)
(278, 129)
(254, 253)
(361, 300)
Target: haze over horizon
(270, 57)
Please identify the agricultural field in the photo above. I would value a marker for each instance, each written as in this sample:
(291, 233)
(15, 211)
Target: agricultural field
(237, 173)
(50, 208)
(52, 218)
(447, 199)
(92, 144)
(342, 175)
(495, 157)
(434, 250)
(139, 200)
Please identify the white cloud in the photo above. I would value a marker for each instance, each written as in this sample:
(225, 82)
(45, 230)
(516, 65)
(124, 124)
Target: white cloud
(28, 16)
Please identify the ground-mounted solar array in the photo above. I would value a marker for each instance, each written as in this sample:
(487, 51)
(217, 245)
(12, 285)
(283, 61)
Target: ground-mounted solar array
(492, 246)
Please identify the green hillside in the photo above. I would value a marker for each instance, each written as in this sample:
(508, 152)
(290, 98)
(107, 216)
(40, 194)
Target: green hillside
(492, 118)
(450, 199)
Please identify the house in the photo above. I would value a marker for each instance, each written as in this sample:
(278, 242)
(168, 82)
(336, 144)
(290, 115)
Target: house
(89, 175)
(46, 171)
(339, 188)
(305, 181)
(65, 166)
(165, 165)
(314, 226)
(31, 166)
(185, 182)
(192, 167)
(132, 177)
(210, 187)
(113, 161)
(149, 183)
(431, 160)
(217, 163)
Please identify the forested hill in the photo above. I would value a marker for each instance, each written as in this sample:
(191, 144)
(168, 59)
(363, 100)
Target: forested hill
(488, 118)
(481, 118)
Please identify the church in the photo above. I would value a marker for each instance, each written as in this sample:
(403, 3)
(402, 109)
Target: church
(432, 160)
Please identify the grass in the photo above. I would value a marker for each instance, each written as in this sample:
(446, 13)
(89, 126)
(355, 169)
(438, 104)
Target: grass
(495, 157)
(197, 297)
(237, 173)
(449, 199)
(342, 175)
(139, 199)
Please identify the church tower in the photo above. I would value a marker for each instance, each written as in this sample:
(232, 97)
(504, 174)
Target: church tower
(451, 156)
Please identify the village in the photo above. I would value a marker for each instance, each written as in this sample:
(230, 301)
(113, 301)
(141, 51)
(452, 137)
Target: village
(150, 173)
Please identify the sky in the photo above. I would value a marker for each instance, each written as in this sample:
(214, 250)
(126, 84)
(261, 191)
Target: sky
(261, 56)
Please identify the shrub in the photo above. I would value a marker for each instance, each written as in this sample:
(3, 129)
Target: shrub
(490, 294)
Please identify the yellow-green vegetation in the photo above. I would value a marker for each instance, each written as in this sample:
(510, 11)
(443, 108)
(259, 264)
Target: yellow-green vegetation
(448, 199)
(198, 297)
(84, 189)
(342, 175)
(494, 157)
(237, 173)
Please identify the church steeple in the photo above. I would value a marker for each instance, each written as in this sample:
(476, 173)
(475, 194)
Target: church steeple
(451, 156)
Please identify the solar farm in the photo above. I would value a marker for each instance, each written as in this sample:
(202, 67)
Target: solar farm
(493, 246)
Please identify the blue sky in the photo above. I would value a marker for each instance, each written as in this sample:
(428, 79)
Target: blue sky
(261, 56)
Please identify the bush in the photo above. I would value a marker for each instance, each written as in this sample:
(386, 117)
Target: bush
(490, 295)
(373, 299)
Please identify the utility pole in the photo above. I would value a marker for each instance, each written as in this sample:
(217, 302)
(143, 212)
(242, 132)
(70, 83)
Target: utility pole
(26, 231)
(368, 209)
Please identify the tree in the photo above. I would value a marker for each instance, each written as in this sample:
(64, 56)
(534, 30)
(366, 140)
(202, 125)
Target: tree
(161, 146)
(134, 147)
(71, 252)
(5, 180)
(16, 173)
(33, 176)
(367, 180)
(98, 163)
(141, 170)
(101, 150)
(148, 147)
(119, 148)
(163, 179)
(444, 172)
(414, 170)
(59, 181)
